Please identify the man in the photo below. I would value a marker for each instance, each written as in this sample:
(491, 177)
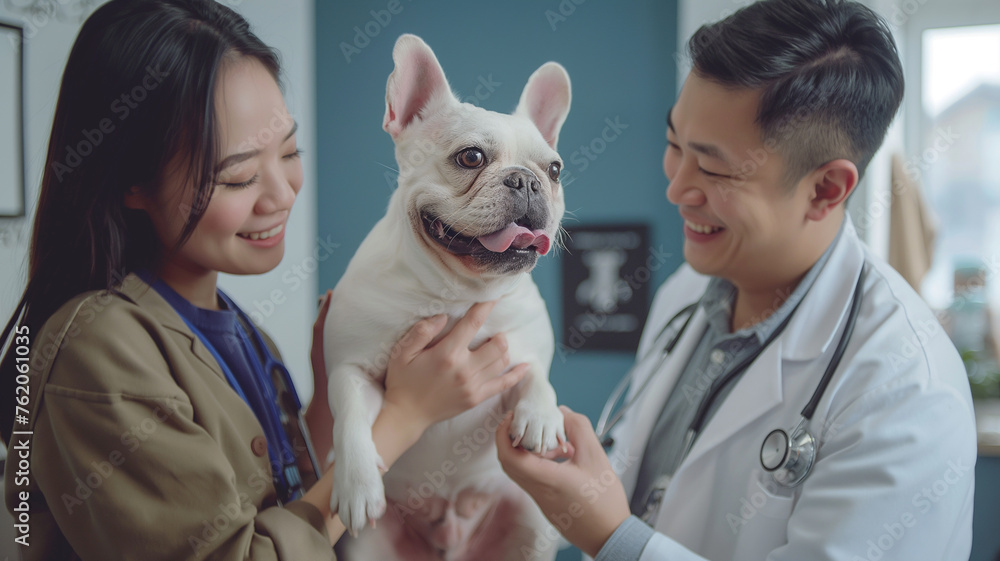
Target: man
(786, 104)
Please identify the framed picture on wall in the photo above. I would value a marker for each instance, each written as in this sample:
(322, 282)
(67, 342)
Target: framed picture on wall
(605, 279)
(12, 186)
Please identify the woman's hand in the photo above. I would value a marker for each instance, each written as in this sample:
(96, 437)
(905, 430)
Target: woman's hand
(316, 352)
(426, 384)
(582, 496)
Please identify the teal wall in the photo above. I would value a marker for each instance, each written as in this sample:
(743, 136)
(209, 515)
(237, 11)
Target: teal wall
(986, 510)
(620, 58)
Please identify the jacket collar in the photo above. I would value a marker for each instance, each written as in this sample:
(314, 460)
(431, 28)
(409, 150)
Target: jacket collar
(145, 296)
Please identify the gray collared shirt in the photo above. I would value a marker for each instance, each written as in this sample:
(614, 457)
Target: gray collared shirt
(718, 352)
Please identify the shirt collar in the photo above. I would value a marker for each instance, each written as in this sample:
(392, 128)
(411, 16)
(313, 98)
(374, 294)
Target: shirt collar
(720, 295)
(222, 320)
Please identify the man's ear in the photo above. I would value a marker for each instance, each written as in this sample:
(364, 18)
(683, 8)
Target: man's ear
(829, 186)
(134, 198)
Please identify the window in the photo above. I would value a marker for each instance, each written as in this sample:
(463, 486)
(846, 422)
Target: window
(960, 162)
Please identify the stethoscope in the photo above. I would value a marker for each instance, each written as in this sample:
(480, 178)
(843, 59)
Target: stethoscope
(787, 455)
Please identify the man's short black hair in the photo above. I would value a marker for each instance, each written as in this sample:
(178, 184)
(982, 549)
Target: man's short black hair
(828, 71)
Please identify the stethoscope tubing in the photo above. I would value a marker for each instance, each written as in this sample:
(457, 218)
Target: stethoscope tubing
(604, 424)
(838, 353)
(607, 422)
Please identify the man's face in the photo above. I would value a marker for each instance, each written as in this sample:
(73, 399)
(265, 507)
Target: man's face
(741, 221)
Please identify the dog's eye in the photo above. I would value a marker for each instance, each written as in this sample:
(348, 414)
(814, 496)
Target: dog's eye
(471, 158)
(555, 168)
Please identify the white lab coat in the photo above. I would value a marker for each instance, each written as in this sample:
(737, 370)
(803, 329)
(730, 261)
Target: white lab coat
(895, 428)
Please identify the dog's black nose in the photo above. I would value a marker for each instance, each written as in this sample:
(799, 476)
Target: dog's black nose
(522, 178)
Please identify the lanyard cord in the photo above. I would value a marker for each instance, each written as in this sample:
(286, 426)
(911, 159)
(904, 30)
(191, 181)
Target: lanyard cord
(218, 358)
(263, 363)
(277, 441)
(263, 351)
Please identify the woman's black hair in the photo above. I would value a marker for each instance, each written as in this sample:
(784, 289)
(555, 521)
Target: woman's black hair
(828, 70)
(138, 92)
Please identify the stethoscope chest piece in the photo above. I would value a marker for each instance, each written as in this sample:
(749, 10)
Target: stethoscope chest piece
(788, 459)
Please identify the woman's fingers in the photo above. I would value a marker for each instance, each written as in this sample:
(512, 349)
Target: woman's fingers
(493, 350)
(498, 384)
(316, 351)
(467, 327)
(419, 336)
(324, 307)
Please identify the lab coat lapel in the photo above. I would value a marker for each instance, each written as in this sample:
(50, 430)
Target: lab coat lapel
(650, 405)
(816, 324)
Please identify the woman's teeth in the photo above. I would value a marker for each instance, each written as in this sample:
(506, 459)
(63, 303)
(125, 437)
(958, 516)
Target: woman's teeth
(701, 229)
(263, 235)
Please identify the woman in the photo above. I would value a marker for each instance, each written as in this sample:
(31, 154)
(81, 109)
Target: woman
(157, 430)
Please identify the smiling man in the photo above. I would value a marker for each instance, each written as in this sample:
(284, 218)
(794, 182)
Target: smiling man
(795, 398)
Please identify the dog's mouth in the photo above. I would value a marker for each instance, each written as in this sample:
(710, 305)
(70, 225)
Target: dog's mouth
(512, 239)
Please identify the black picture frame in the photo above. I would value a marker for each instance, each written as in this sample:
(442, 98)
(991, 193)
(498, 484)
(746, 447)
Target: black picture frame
(13, 186)
(606, 311)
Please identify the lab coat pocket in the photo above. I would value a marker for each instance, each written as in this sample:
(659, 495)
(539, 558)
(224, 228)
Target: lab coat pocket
(762, 520)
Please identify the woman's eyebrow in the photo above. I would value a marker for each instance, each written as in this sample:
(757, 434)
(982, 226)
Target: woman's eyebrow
(244, 156)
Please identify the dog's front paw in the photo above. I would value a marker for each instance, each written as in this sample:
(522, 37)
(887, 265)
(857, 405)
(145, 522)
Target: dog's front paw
(358, 494)
(537, 427)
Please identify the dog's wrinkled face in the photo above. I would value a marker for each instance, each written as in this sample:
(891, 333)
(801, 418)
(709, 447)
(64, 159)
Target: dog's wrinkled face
(487, 192)
(481, 189)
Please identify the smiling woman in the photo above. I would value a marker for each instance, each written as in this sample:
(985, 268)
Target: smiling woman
(240, 231)
(168, 415)
(144, 200)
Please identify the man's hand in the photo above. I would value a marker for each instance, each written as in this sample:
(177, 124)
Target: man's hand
(581, 496)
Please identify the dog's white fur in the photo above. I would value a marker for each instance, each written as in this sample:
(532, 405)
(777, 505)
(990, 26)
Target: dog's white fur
(400, 275)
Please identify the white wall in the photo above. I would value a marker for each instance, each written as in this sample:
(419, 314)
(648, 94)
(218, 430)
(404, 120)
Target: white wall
(288, 27)
(46, 45)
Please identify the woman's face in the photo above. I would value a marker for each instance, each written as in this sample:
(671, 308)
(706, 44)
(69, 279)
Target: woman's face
(258, 176)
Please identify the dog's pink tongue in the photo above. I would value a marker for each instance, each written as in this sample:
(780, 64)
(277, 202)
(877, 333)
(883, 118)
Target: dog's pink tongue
(517, 236)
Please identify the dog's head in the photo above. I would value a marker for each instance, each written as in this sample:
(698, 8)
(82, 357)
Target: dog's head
(481, 189)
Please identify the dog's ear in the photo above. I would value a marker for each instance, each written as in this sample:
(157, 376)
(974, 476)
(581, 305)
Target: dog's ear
(545, 100)
(414, 83)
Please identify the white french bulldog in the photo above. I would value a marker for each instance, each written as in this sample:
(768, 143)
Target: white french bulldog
(478, 201)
